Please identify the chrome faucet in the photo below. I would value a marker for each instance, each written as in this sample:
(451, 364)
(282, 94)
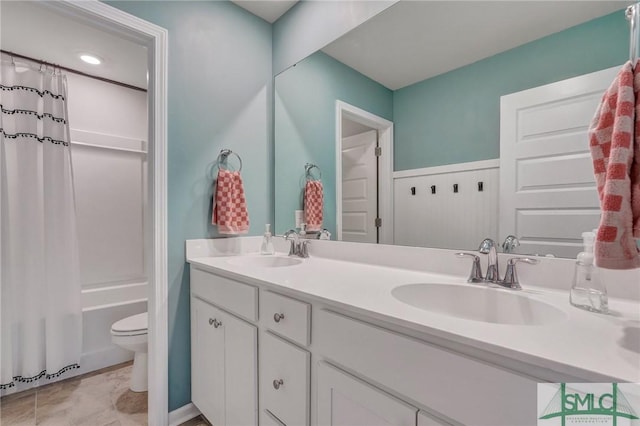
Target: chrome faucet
(487, 246)
(297, 247)
(511, 276)
(510, 243)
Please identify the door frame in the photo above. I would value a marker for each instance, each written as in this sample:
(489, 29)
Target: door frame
(385, 166)
(95, 14)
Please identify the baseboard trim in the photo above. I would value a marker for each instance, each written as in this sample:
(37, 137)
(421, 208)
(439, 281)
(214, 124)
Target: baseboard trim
(183, 414)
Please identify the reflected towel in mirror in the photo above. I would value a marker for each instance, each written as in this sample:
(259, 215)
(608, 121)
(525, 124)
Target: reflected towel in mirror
(313, 205)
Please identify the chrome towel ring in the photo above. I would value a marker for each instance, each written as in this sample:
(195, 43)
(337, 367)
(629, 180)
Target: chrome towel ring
(307, 171)
(222, 158)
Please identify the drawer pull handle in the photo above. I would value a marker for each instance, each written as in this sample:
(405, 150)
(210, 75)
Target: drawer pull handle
(277, 384)
(214, 322)
(278, 317)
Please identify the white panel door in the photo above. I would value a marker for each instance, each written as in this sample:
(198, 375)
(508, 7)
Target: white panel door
(207, 361)
(240, 372)
(548, 195)
(359, 188)
(344, 400)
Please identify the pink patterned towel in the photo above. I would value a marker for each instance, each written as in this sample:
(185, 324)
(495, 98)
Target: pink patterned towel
(230, 208)
(313, 205)
(611, 137)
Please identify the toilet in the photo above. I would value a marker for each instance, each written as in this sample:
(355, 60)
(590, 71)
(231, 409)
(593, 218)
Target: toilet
(131, 333)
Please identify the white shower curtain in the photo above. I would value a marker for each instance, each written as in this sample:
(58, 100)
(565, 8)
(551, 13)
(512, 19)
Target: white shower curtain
(40, 311)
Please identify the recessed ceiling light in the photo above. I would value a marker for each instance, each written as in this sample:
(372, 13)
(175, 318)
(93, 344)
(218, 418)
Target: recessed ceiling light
(90, 59)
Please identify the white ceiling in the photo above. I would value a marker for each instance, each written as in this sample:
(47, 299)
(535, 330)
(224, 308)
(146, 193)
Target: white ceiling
(30, 29)
(269, 10)
(415, 40)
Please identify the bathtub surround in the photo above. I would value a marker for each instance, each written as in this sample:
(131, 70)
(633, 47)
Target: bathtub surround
(40, 288)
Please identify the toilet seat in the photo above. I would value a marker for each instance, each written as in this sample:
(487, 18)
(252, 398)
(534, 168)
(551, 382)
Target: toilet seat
(135, 325)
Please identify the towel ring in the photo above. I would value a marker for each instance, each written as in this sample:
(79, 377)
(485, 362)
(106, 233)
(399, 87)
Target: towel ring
(307, 171)
(224, 154)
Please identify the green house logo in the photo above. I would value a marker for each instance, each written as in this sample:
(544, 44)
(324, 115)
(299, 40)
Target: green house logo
(599, 406)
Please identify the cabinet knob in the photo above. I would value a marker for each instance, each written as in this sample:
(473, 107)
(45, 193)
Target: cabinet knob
(277, 384)
(277, 317)
(214, 322)
(211, 320)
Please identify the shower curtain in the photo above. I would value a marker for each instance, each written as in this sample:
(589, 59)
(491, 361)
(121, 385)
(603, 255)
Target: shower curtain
(40, 307)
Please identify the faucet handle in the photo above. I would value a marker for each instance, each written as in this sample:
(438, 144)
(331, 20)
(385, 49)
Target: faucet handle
(510, 243)
(476, 270)
(511, 276)
(304, 249)
(486, 245)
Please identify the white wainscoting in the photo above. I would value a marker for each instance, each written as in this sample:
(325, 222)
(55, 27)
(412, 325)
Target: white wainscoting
(447, 219)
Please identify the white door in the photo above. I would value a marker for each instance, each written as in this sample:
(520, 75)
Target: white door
(548, 195)
(207, 361)
(240, 372)
(360, 188)
(344, 400)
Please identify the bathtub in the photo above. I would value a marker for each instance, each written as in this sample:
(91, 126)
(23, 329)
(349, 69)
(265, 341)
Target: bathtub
(101, 307)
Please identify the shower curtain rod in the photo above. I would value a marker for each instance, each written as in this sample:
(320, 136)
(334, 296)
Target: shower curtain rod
(106, 80)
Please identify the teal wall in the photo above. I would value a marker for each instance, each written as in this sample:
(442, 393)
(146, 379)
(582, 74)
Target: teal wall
(220, 83)
(305, 111)
(455, 117)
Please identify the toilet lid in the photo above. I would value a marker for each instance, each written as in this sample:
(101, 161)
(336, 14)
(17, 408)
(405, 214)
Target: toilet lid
(138, 322)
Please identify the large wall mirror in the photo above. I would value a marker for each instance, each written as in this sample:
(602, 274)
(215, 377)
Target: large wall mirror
(423, 85)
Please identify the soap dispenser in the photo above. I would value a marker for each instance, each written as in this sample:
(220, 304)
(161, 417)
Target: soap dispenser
(267, 243)
(588, 291)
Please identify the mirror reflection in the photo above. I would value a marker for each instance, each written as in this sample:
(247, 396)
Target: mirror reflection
(438, 124)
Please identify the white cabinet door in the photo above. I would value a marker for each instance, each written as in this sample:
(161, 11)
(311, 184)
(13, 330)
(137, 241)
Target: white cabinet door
(241, 372)
(284, 380)
(344, 400)
(207, 361)
(224, 366)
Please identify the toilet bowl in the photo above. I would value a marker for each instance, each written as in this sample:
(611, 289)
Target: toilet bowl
(131, 333)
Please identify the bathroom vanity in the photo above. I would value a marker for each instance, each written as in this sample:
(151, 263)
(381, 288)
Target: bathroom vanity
(378, 335)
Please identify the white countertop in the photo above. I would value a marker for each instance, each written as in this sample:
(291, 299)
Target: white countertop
(586, 346)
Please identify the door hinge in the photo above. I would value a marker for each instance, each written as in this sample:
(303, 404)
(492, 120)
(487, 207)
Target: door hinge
(378, 151)
(378, 222)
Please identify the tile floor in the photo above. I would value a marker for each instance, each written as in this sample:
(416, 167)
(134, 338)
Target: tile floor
(99, 398)
(197, 421)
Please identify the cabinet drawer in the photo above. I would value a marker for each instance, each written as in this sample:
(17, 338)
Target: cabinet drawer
(285, 372)
(344, 400)
(418, 370)
(287, 317)
(233, 296)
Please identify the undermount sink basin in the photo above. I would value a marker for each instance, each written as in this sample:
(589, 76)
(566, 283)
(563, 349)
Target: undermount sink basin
(265, 261)
(478, 303)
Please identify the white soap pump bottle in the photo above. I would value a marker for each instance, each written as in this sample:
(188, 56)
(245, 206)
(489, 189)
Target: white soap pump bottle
(267, 243)
(588, 291)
